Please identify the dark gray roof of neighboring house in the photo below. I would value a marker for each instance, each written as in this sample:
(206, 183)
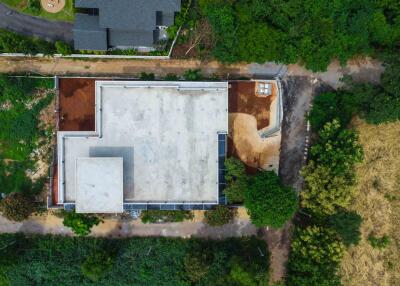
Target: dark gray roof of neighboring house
(87, 3)
(87, 33)
(133, 15)
(128, 38)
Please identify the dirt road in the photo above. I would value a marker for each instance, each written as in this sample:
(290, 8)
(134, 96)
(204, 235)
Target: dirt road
(363, 69)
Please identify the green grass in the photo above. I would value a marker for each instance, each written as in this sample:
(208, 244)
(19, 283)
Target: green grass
(66, 14)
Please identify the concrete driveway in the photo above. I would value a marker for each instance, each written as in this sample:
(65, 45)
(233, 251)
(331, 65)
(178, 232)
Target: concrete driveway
(34, 26)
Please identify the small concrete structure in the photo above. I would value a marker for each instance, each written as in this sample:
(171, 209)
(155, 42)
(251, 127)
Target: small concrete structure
(166, 133)
(99, 185)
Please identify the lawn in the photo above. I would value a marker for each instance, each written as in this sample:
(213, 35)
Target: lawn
(66, 14)
(378, 202)
(55, 260)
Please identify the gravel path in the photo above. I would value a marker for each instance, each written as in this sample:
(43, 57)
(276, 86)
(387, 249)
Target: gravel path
(34, 26)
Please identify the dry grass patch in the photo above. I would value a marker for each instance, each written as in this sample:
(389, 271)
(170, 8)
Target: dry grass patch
(378, 202)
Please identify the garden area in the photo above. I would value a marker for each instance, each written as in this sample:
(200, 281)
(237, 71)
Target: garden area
(34, 8)
(44, 260)
(26, 132)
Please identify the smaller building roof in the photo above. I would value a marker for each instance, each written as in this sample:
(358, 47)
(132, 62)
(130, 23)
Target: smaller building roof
(99, 185)
(87, 33)
(124, 38)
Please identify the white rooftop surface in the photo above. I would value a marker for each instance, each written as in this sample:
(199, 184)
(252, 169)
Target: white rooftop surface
(99, 185)
(166, 133)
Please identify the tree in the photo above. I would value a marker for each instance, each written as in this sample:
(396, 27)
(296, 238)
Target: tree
(324, 192)
(337, 149)
(63, 48)
(236, 180)
(81, 224)
(219, 216)
(314, 257)
(17, 206)
(347, 225)
(96, 265)
(268, 202)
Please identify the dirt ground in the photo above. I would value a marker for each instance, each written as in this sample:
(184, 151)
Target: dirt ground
(77, 104)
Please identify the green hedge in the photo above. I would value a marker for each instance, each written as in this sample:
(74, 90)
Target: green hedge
(158, 216)
(45, 260)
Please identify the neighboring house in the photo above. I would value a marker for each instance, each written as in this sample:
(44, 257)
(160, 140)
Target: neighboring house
(122, 24)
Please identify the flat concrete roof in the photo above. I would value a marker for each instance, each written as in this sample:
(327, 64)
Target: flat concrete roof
(99, 185)
(166, 133)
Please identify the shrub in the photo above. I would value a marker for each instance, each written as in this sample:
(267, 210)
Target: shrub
(63, 48)
(268, 202)
(314, 257)
(347, 225)
(219, 216)
(193, 75)
(379, 242)
(236, 180)
(160, 216)
(171, 77)
(34, 6)
(17, 207)
(196, 267)
(146, 76)
(81, 224)
(96, 265)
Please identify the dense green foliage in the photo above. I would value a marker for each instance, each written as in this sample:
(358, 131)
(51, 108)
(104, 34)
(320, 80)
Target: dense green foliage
(379, 242)
(314, 258)
(268, 201)
(42, 260)
(97, 265)
(236, 180)
(219, 216)
(63, 48)
(313, 32)
(347, 225)
(329, 176)
(21, 100)
(17, 207)
(161, 216)
(11, 42)
(81, 224)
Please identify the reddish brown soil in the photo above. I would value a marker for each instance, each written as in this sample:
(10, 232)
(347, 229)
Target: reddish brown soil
(77, 104)
(179, 51)
(54, 195)
(243, 99)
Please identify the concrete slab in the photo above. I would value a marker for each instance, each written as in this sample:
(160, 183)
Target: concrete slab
(166, 132)
(99, 187)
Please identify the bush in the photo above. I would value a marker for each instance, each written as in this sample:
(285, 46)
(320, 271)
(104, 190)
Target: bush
(347, 225)
(314, 258)
(17, 207)
(81, 224)
(196, 267)
(236, 180)
(159, 216)
(219, 216)
(11, 42)
(34, 6)
(97, 265)
(171, 77)
(268, 202)
(146, 76)
(379, 242)
(63, 48)
(193, 75)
